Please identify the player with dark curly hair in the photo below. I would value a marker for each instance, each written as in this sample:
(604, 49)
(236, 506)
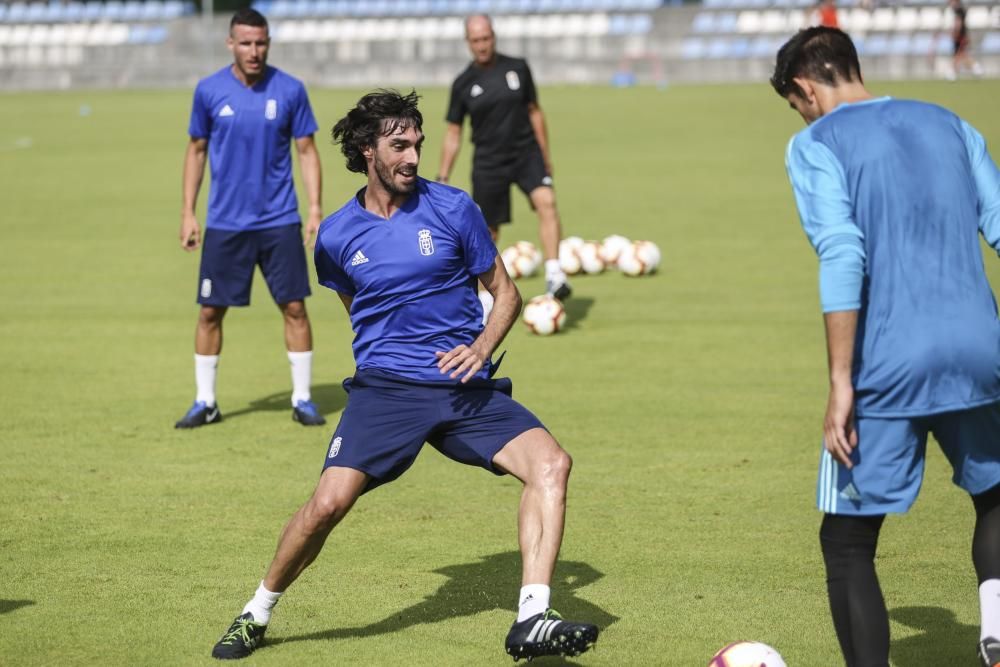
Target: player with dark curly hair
(404, 255)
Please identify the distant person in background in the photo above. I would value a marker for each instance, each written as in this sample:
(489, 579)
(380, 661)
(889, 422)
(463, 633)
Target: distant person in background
(826, 14)
(242, 120)
(894, 196)
(961, 59)
(498, 94)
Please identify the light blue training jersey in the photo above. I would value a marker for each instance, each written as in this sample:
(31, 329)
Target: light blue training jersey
(249, 132)
(893, 195)
(412, 277)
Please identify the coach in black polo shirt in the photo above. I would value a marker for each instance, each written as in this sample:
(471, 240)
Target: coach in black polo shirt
(508, 130)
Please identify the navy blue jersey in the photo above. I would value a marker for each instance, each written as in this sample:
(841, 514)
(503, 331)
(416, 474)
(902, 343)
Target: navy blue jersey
(412, 277)
(249, 131)
(893, 194)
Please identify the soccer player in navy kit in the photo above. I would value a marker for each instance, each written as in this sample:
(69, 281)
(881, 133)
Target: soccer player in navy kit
(243, 119)
(894, 195)
(404, 256)
(498, 94)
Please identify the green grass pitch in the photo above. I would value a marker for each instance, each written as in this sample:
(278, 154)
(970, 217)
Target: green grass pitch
(691, 401)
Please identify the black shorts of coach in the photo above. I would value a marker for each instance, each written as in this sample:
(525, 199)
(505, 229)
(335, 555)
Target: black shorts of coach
(491, 182)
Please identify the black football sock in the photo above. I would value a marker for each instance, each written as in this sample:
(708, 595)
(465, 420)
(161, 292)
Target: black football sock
(859, 614)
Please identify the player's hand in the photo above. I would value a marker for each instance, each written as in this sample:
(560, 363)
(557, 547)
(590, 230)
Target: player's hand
(840, 436)
(462, 360)
(190, 233)
(312, 228)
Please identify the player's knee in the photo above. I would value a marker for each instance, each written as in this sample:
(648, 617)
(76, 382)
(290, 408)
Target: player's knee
(295, 311)
(325, 511)
(846, 538)
(210, 317)
(555, 468)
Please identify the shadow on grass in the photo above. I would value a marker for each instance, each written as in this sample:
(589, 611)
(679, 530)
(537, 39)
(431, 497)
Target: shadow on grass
(577, 309)
(473, 588)
(943, 640)
(329, 398)
(7, 606)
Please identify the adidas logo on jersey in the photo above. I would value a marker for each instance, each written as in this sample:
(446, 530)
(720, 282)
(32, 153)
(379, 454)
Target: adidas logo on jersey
(476, 91)
(226, 111)
(359, 258)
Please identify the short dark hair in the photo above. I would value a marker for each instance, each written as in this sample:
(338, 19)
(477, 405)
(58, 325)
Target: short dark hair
(821, 54)
(247, 16)
(377, 114)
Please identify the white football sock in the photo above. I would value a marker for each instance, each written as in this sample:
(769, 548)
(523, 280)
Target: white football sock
(301, 375)
(261, 605)
(486, 299)
(989, 609)
(205, 369)
(534, 600)
(553, 271)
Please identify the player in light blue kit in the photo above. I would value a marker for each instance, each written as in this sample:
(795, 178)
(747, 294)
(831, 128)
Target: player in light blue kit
(404, 256)
(243, 119)
(894, 195)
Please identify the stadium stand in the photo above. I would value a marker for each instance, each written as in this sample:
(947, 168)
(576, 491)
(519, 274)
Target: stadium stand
(420, 42)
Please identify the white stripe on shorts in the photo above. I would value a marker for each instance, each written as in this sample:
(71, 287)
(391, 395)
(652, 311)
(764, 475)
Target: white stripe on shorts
(827, 484)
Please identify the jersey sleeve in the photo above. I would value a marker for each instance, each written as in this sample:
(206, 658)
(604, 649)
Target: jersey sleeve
(987, 180)
(456, 106)
(328, 271)
(480, 252)
(200, 126)
(303, 120)
(825, 212)
(530, 93)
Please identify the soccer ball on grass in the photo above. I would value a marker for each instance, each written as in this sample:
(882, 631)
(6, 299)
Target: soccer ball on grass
(544, 315)
(747, 654)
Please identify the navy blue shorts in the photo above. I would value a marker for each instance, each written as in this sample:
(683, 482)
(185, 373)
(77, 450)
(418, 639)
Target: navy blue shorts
(388, 419)
(228, 260)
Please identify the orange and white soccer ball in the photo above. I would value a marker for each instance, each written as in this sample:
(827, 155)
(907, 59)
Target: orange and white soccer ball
(521, 259)
(747, 654)
(569, 257)
(639, 259)
(590, 257)
(544, 315)
(611, 248)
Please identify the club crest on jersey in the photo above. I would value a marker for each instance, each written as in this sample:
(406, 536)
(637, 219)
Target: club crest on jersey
(271, 109)
(513, 82)
(425, 242)
(476, 91)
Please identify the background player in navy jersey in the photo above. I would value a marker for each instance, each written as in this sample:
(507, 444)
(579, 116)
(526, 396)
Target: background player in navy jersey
(404, 256)
(243, 119)
(894, 195)
(498, 94)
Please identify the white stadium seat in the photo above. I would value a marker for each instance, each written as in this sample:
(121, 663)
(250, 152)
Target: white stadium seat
(883, 19)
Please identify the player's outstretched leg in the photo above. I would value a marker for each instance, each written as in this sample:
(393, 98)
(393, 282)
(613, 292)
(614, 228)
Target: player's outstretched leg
(549, 634)
(535, 458)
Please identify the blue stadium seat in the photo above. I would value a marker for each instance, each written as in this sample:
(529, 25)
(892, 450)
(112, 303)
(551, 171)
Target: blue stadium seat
(36, 12)
(92, 11)
(132, 11)
(704, 22)
(113, 10)
(641, 24)
(693, 48)
(876, 45)
(717, 49)
(899, 45)
(3, 11)
(619, 24)
(762, 47)
(990, 43)
(726, 22)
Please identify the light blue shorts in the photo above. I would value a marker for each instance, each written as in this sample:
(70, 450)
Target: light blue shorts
(889, 460)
